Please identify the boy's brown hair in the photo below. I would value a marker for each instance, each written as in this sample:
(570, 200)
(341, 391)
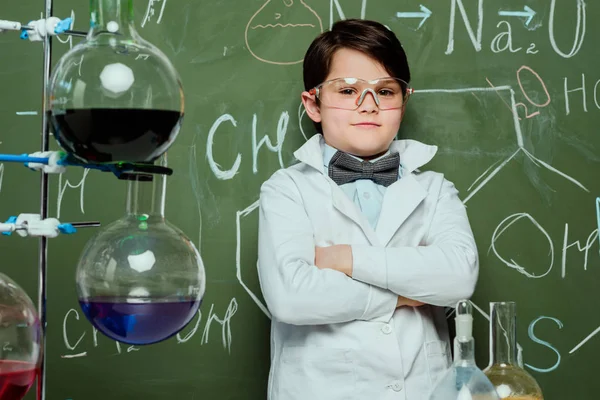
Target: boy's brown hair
(369, 37)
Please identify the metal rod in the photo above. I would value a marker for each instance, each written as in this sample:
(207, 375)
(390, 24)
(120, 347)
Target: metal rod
(43, 244)
(75, 33)
(86, 224)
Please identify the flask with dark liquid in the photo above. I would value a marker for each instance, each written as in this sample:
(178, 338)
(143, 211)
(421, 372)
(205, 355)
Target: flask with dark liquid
(512, 382)
(114, 96)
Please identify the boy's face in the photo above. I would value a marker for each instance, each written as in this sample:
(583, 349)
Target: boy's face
(367, 131)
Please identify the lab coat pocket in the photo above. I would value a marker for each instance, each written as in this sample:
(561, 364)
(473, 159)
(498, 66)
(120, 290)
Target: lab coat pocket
(316, 373)
(438, 359)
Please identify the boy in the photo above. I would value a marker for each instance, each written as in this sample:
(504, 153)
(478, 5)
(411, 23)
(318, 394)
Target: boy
(358, 251)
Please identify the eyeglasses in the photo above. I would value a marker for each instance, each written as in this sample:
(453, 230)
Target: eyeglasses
(349, 93)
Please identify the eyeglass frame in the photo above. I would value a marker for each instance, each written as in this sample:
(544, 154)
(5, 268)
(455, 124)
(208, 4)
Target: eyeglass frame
(361, 97)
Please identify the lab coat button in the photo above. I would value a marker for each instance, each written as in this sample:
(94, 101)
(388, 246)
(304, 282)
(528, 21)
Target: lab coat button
(397, 386)
(386, 329)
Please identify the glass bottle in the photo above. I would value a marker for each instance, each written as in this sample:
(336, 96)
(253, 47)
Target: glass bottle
(114, 96)
(140, 280)
(511, 381)
(464, 380)
(20, 340)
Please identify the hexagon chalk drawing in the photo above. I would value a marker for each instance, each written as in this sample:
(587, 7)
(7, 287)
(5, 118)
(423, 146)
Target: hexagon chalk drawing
(238, 262)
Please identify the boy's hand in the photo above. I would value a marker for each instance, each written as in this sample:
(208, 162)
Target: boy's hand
(337, 257)
(406, 302)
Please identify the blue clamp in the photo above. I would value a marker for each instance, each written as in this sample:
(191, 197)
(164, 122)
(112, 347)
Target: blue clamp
(26, 155)
(24, 33)
(63, 26)
(11, 220)
(66, 229)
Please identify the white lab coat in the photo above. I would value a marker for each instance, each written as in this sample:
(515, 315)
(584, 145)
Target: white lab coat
(340, 338)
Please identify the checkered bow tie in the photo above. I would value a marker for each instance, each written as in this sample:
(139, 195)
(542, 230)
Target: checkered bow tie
(343, 168)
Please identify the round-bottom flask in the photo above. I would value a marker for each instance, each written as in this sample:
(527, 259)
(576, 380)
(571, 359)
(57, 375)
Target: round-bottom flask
(140, 280)
(511, 381)
(464, 380)
(21, 341)
(114, 96)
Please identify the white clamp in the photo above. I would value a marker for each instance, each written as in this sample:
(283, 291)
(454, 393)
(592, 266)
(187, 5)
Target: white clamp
(9, 25)
(53, 159)
(42, 28)
(33, 225)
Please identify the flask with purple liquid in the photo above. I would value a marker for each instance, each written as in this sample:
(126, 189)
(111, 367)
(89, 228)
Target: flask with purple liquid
(140, 280)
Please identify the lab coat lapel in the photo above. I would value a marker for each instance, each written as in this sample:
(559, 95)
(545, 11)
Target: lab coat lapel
(399, 201)
(404, 196)
(344, 205)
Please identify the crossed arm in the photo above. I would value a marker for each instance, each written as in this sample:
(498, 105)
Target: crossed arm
(339, 258)
(304, 285)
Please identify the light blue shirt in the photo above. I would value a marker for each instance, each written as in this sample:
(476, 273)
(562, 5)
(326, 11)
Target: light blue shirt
(366, 194)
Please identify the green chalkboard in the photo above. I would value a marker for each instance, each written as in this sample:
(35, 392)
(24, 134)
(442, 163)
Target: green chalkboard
(512, 103)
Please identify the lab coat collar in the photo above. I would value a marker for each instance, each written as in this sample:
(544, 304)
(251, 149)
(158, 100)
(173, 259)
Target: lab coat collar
(413, 154)
(400, 199)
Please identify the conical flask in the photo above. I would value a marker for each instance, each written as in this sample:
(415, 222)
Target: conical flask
(115, 97)
(464, 380)
(511, 381)
(20, 339)
(140, 280)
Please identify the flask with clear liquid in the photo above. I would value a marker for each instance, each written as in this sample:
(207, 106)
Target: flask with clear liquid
(464, 380)
(511, 380)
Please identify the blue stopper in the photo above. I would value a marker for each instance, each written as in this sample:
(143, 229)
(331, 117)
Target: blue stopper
(63, 26)
(24, 35)
(11, 220)
(66, 229)
(63, 159)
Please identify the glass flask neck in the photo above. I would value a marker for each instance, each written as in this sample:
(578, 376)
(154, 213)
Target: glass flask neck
(110, 17)
(464, 351)
(146, 198)
(503, 333)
